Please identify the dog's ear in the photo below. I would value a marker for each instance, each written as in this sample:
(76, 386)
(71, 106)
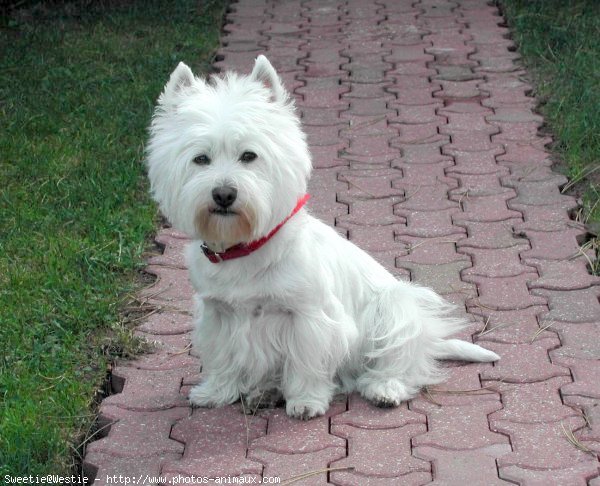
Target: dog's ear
(181, 78)
(265, 73)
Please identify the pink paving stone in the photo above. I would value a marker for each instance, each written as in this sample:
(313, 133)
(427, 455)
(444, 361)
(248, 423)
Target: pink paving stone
(166, 323)
(429, 198)
(367, 74)
(571, 305)
(360, 126)
(497, 65)
(370, 145)
(569, 274)
(429, 224)
(320, 116)
(323, 135)
(292, 436)
(365, 415)
(554, 245)
(326, 157)
(146, 390)
(423, 153)
(576, 475)
(520, 153)
(413, 96)
(108, 469)
(442, 278)
(365, 91)
(590, 435)
(542, 218)
(487, 208)
(512, 326)
(401, 83)
(172, 257)
(418, 114)
(288, 467)
(417, 133)
(505, 293)
(139, 434)
(456, 90)
(490, 235)
(463, 106)
(514, 115)
(469, 122)
(172, 284)
(411, 68)
(216, 441)
(461, 386)
(578, 341)
(373, 238)
(540, 194)
(168, 352)
(474, 163)
(429, 251)
(458, 427)
(585, 376)
(380, 452)
(470, 141)
(500, 262)
(523, 132)
(321, 98)
(343, 478)
(409, 53)
(370, 107)
(540, 445)
(524, 173)
(534, 402)
(524, 363)
(368, 184)
(370, 212)
(425, 175)
(464, 467)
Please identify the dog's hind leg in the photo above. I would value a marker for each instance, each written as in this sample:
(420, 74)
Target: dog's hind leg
(404, 324)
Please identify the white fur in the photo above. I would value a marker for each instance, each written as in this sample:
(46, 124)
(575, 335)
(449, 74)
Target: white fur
(309, 313)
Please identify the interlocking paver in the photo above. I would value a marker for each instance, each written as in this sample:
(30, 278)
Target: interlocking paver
(576, 475)
(524, 363)
(427, 154)
(465, 467)
(458, 427)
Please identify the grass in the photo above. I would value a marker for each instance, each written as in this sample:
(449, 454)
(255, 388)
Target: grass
(559, 43)
(77, 84)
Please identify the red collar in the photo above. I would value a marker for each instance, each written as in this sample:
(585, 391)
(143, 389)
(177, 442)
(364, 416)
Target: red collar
(243, 249)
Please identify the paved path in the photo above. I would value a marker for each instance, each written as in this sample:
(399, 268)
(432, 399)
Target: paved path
(427, 155)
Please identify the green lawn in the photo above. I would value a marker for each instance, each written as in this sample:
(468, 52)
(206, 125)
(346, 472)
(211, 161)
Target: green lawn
(77, 84)
(559, 40)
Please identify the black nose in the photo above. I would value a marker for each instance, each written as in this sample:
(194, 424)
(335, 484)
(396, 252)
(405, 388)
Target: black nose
(224, 196)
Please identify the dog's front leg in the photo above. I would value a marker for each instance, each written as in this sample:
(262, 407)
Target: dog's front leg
(317, 345)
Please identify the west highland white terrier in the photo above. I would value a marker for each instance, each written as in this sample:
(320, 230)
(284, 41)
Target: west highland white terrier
(286, 308)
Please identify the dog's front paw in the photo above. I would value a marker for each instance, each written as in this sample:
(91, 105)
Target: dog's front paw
(305, 411)
(205, 395)
(385, 393)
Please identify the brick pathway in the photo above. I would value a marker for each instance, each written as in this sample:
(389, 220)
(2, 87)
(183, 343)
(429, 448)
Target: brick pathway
(427, 155)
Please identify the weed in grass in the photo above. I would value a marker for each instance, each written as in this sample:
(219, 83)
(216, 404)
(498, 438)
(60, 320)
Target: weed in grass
(78, 82)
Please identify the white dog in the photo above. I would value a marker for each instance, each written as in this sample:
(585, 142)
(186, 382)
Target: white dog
(285, 304)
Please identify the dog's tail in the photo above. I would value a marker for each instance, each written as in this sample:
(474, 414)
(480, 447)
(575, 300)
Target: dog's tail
(465, 351)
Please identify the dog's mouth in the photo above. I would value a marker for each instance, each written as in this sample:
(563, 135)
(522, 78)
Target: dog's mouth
(222, 211)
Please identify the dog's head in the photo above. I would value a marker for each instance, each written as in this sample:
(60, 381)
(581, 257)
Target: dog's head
(227, 159)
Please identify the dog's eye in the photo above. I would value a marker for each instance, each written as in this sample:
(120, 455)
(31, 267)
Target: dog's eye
(248, 157)
(201, 160)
